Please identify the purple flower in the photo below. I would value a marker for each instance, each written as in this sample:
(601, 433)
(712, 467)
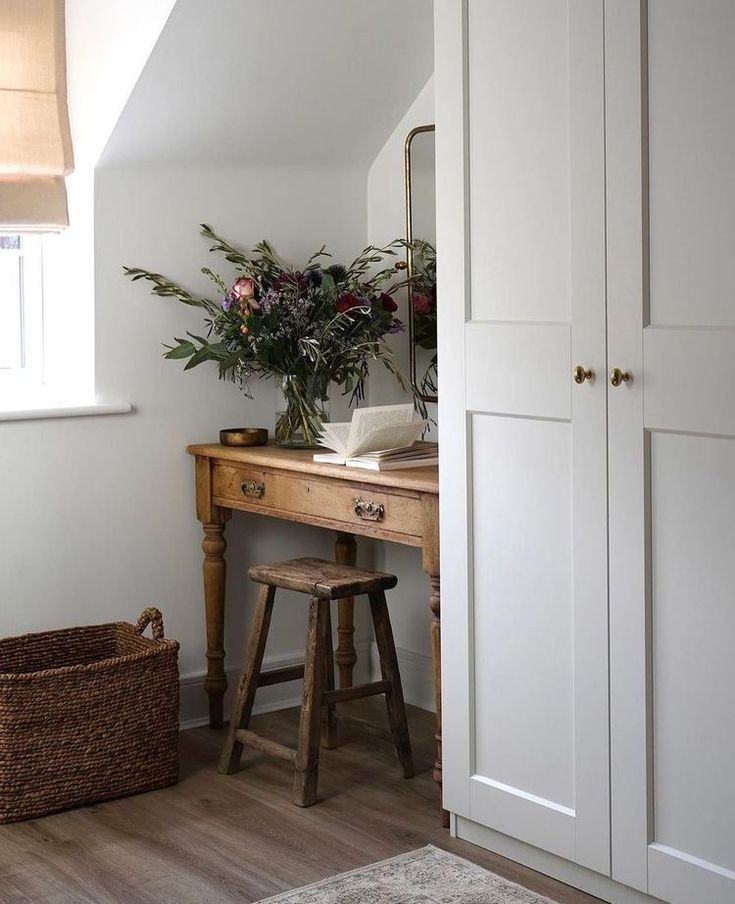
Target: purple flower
(396, 326)
(300, 281)
(228, 301)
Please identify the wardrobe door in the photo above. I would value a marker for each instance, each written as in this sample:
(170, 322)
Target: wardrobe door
(670, 85)
(520, 209)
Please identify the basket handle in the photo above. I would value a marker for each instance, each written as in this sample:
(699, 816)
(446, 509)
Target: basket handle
(151, 616)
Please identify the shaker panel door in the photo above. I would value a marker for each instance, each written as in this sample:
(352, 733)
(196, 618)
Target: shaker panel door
(670, 84)
(524, 470)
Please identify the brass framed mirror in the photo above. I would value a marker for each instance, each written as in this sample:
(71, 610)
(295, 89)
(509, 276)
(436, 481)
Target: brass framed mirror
(421, 259)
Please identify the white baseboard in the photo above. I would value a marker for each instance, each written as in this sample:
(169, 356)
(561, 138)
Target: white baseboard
(417, 676)
(549, 864)
(194, 705)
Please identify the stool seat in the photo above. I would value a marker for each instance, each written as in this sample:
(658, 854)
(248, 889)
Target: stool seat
(320, 578)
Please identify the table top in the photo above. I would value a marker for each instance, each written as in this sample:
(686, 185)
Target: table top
(422, 480)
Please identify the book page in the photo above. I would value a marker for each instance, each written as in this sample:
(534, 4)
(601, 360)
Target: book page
(329, 458)
(380, 427)
(388, 437)
(335, 436)
(399, 465)
(414, 451)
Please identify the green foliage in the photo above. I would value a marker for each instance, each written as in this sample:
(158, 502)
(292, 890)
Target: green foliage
(167, 289)
(326, 321)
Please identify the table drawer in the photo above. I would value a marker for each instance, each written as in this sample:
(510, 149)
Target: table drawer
(242, 484)
(346, 502)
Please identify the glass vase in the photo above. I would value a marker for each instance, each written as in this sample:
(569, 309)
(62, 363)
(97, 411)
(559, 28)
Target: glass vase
(302, 408)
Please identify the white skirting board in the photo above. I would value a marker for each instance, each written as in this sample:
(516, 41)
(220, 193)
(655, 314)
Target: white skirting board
(416, 675)
(193, 709)
(549, 864)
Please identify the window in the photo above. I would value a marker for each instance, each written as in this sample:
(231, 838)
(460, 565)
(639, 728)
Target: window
(46, 355)
(21, 312)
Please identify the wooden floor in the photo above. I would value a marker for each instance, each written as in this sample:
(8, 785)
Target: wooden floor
(216, 838)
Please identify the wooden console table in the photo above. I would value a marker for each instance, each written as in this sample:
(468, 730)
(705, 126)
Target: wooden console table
(398, 506)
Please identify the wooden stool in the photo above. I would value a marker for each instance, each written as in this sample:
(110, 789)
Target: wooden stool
(323, 581)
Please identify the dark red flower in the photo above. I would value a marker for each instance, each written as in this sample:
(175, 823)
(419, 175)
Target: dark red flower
(348, 302)
(421, 303)
(388, 303)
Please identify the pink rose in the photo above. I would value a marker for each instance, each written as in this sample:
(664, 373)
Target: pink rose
(244, 291)
(244, 287)
(421, 304)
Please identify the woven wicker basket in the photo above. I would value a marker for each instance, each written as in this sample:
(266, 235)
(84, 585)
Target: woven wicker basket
(86, 714)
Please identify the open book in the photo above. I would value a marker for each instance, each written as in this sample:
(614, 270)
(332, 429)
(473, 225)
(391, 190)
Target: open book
(418, 455)
(378, 429)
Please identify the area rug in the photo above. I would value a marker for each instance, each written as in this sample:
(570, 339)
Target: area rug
(426, 876)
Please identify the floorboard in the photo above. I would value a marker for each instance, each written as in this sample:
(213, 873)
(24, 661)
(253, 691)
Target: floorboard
(213, 838)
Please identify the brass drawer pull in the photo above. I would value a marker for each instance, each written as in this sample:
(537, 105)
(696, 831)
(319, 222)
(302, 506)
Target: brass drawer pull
(253, 488)
(368, 510)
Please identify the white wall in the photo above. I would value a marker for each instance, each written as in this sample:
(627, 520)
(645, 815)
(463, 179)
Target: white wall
(386, 220)
(98, 513)
(107, 47)
(292, 82)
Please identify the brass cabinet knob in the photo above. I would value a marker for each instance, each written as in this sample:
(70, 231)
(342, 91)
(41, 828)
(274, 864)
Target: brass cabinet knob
(580, 374)
(618, 376)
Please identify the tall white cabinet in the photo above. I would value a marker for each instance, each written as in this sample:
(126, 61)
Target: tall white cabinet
(586, 219)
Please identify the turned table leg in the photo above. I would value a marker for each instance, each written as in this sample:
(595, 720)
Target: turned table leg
(436, 652)
(345, 553)
(215, 570)
(431, 565)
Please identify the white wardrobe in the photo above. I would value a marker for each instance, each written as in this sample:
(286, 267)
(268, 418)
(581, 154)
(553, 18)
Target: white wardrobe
(586, 247)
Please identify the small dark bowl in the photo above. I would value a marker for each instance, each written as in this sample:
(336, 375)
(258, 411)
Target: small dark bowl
(243, 436)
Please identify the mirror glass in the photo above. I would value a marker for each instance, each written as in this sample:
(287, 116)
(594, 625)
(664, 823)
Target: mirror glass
(421, 237)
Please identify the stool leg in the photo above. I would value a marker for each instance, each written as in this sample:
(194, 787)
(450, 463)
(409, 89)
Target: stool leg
(245, 693)
(307, 753)
(329, 710)
(390, 672)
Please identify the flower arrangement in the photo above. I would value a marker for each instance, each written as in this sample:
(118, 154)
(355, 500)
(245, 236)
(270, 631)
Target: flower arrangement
(311, 327)
(423, 300)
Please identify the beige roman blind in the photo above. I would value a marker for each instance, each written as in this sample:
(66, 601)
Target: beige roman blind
(35, 141)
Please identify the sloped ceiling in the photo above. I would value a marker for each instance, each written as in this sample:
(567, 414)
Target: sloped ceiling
(276, 82)
(107, 48)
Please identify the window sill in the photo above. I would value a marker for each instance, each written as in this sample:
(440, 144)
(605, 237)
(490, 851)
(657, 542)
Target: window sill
(44, 411)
